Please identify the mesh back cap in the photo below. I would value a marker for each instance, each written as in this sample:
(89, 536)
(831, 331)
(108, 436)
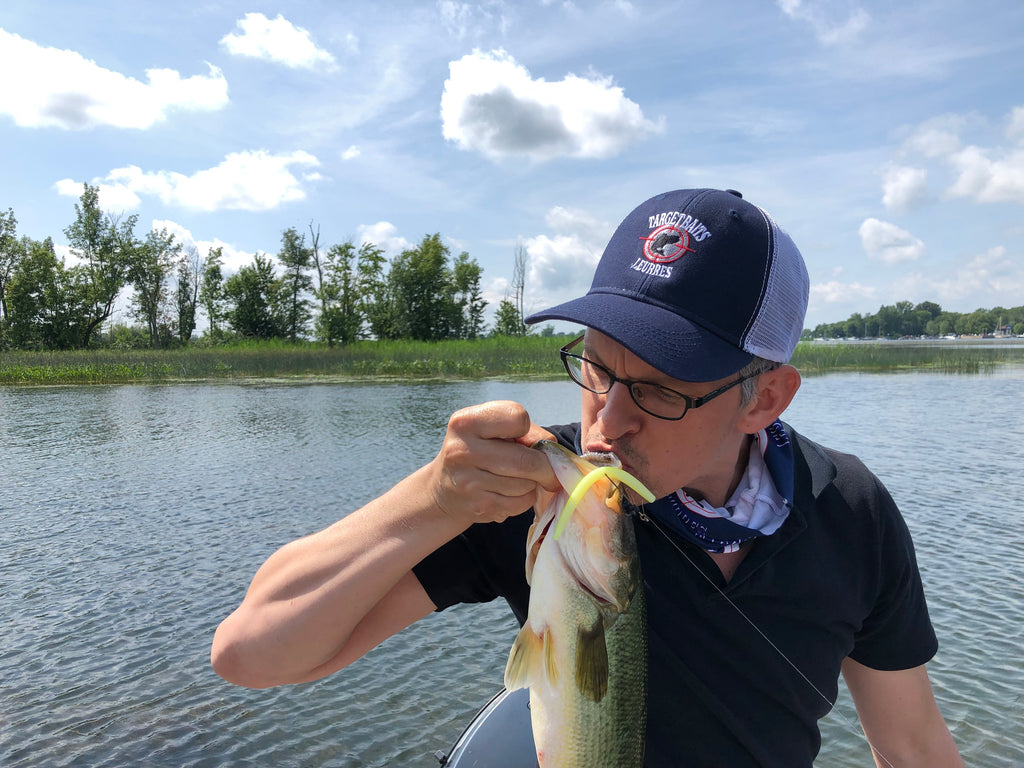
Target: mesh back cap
(696, 282)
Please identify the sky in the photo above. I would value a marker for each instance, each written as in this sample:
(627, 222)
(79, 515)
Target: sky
(886, 138)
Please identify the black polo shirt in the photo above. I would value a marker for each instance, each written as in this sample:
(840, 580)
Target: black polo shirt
(740, 673)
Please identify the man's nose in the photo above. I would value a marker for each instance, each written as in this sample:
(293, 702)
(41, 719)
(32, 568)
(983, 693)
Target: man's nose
(619, 413)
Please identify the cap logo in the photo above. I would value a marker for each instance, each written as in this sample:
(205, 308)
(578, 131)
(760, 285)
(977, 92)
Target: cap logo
(671, 235)
(666, 244)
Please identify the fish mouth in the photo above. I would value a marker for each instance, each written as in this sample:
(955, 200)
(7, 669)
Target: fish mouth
(544, 532)
(602, 603)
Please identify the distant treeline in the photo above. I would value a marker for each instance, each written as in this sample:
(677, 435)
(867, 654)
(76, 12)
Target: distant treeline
(336, 295)
(905, 319)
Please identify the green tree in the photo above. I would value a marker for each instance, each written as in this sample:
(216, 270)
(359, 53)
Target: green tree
(43, 310)
(341, 316)
(296, 282)
(974, 324)
(468, 297)
(149, 271)
(507, 320)
(945, 323)
(905, 319)
(187, 295)
(888, 321)
(376, 299)
(11, 251)
(211, 290)
(855, 326)
(252, 296)
(423, 288)
(933, 309)
(105, 245)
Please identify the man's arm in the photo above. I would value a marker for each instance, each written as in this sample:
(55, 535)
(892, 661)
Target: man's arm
(321, 602)
(900, 718)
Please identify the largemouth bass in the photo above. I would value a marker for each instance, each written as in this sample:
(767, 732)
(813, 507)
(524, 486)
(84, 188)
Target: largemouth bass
(583, 649)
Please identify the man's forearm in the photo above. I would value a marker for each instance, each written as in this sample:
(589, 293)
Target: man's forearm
(309, 597)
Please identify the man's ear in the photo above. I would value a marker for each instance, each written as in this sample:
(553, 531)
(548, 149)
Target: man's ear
(775, 391)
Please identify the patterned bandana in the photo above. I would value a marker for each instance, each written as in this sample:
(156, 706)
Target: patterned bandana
(758, 507)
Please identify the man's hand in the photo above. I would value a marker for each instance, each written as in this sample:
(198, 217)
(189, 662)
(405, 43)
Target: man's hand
(485, 470)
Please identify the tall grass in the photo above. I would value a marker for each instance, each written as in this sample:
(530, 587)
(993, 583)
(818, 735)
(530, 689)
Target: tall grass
(482, 358)
(499, 357)
(815, 357)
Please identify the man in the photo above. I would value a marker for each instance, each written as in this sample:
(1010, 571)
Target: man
(770, 564)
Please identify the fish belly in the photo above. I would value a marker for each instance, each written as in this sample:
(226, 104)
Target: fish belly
(571, 729)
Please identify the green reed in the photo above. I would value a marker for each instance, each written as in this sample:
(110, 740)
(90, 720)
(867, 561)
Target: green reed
(945, 357)
(499, 357)
(476, 359)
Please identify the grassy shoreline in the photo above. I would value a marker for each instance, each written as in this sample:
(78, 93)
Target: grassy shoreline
(504, 357)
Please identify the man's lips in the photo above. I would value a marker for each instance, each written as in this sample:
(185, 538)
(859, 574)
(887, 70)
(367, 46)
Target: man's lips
(600, 448)
(606, 448)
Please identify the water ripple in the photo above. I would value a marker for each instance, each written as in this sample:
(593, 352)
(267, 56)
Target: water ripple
(134, 518)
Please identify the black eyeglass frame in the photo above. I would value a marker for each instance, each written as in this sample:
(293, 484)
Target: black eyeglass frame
(690, 402)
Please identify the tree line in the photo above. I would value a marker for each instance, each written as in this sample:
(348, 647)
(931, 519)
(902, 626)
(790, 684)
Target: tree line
(338, 294)
(906, 319)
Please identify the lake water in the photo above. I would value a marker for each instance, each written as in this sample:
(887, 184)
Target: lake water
(133, 517)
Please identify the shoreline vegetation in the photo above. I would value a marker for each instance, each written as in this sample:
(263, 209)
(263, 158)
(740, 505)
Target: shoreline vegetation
(503, 357)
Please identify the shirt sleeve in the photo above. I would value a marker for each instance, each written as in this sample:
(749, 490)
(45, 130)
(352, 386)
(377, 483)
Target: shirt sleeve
(897, 633)
(487, 561)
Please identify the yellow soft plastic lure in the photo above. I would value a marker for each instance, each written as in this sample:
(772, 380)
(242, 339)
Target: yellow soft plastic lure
(615, 473)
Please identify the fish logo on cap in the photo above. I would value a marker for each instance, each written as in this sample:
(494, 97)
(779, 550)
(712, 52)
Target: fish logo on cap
(666, 244)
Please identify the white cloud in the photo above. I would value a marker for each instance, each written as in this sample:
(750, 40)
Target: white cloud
(493, 106)
(466, 19)
(627, 9)
(984, 174)
(887, 242)
(835, 292)
(112, 197)
(829, 29)
(935, 140)
(56, 88)
(250, 181)
(232, 258)
(276, 40)
(988, 176)
(384, 235)
(67, 254)
(351, 153)
(1015, 129)
(903, 187)
(561, 264)
(992, 278)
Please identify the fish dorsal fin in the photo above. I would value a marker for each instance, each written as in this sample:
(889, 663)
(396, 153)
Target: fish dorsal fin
(531, 659)
(592, 661)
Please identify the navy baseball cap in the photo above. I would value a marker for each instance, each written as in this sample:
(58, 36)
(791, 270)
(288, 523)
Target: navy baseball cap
(696, 283)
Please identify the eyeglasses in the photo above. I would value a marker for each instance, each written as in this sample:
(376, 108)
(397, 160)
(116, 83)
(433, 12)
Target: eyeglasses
(659, 401)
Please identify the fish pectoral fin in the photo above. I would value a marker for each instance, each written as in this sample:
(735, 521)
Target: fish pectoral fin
(531, 658)
(592, 661)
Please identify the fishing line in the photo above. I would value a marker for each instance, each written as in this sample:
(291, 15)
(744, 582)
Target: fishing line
(831, 704)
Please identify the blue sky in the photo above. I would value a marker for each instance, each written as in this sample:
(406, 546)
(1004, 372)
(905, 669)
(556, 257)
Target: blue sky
(887, 138)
